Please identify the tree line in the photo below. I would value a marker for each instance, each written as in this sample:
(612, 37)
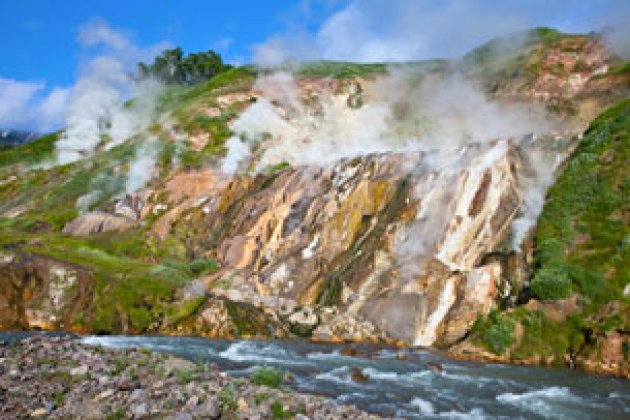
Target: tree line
(172, 67)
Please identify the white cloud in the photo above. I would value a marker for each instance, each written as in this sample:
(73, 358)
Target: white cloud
(369, 30)
(28, 105)
(401, 30)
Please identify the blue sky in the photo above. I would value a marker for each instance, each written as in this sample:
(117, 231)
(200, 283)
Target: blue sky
(39, 36)
(43, 55)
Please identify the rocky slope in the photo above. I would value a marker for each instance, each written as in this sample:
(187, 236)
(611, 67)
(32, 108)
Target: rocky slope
(254, 219)
(582, 265)
(58, 377)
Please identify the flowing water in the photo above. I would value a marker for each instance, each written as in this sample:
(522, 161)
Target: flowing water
(409, 387)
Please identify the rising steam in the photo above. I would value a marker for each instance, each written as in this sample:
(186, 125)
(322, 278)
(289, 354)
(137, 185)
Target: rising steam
(402, 111)
(97, 115)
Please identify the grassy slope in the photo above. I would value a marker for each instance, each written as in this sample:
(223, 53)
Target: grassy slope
(136, 275)
(583, 247)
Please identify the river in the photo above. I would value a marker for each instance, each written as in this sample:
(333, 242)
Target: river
(407, 385)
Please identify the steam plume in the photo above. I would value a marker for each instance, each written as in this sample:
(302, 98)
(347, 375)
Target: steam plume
(96, 112)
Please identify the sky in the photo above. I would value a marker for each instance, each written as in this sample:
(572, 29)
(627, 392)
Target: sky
(47, 46)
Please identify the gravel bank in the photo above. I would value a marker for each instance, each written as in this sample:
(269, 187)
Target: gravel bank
(59, 377)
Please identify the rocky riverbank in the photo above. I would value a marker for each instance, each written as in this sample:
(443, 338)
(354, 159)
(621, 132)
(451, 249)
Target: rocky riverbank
(60, 377)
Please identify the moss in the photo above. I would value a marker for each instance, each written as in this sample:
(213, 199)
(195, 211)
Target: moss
(128, 295)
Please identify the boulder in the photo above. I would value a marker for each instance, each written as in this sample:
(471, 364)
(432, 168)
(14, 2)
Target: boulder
(98, 222)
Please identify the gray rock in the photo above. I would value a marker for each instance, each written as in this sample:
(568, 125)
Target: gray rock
(209, 409)
(139, 409)
(181, 416)
(79, 370)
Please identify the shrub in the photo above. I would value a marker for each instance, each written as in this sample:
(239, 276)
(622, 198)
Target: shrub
(550, 252)
(551, 283)
(498, 333)
(267, 376)
(203, 265)
(227, 400)
(278, 412)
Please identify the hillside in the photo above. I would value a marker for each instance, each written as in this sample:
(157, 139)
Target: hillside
(293, 203)
(582, 270)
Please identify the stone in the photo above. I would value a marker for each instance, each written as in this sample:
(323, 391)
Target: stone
(104, 395)
(357, 375)
(242, 404)
(180, 416)
(97, 222)
(305, 316)
(209, 408)
(139, 409)
(79, 370)
(175, 364)
(40, 412)
(192, 401)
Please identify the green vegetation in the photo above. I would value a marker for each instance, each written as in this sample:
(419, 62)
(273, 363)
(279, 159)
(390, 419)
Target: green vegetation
(177, 97)
(30, 153)
(496, 332)
(583, 234)
(172, 67)
(227, 400)
(620, 69)
(551, 283)
(340, 69)
(249, 320)
(182, 310)
(582, 246)
(267, 376)
(278, 412)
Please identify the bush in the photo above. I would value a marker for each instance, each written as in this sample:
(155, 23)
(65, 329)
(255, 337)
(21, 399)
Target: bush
(202, 266)
(498, 333)
(551, 283)
(267, 376)
(278, 412)
(550, 252)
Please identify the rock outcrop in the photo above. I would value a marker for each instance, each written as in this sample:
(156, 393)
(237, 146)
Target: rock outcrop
(384, 245)
(40, 292)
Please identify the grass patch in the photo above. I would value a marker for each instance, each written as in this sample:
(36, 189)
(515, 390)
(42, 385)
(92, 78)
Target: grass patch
(340, 69)
(30, 153)
(267, 376)
(583, 232)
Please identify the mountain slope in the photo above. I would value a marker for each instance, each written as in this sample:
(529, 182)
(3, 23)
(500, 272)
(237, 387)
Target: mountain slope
(278, 204)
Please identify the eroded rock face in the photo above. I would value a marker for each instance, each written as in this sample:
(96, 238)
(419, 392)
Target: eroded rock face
(40, 292)
(389, 241)
(98, 222)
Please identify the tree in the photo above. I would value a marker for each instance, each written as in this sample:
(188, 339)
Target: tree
(172, 67)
